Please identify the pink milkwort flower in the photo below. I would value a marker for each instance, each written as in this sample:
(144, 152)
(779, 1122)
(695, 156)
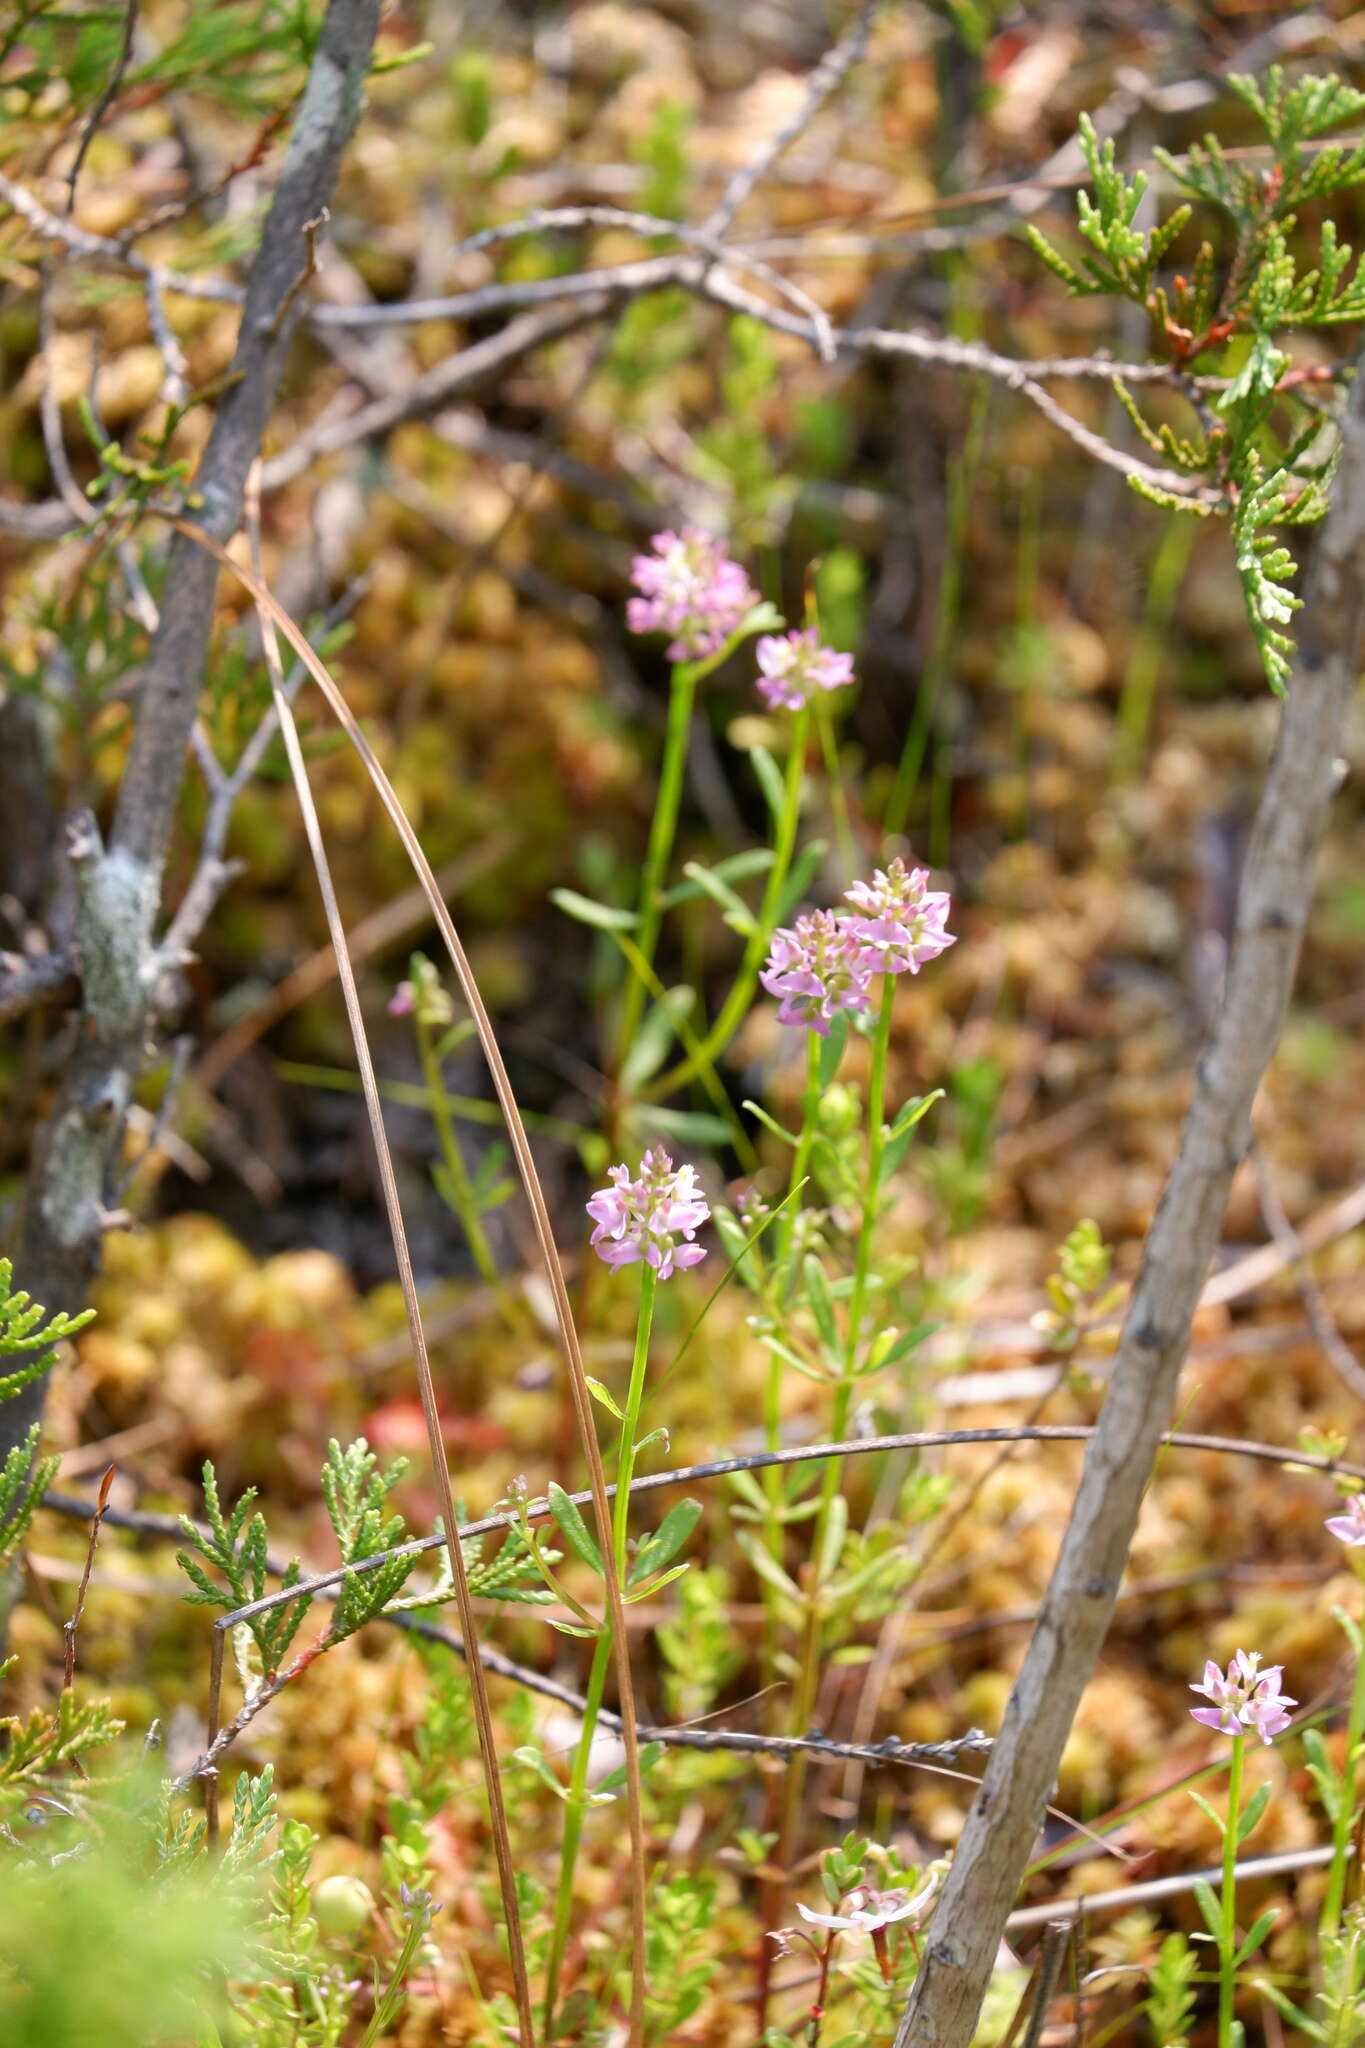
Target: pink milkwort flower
(866, 1911)
(1244, 1697)
(403, 1001)
(1350, 1526)
(690, 588)
(899, 918)
(793, 666)
(645, 1218)
(819, 968)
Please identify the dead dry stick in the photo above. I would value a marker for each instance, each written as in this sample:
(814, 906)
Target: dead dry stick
(535, 1195)
(478, 1685)
(1037, 1993)
(922, 1755)
(1294, 1460)
(1056, 1940)
(828, 75)
(1276, 890)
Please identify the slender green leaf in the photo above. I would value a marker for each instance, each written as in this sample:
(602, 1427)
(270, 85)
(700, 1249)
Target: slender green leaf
(770, 1123)
(1255, 1937)
(667, 1540)
(1252, 1811)
(600, 1393)
(603, 917)
(573, 1528)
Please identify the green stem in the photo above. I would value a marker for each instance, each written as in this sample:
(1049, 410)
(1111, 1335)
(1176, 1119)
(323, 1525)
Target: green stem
(574, 1812)
(1227, 1938)
(862, 1258)
(386, 2006)
(808, 1681)
(736, 1004)
(1341, 1826)
(782, 1275)
(625, 1464)
(576, 1803)
(662, 832)
(461, 1189)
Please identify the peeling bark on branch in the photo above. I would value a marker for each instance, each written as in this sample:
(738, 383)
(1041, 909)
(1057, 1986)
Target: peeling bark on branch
(119, 888)
(1276, 891)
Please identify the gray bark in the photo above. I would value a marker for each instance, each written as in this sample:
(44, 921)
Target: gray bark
(118, 888)
(1275, 894)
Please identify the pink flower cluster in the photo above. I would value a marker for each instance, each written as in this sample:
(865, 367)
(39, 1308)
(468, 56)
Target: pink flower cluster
(818, 969)
(899, 918)
(690, 589)
(793, 666)
(1244, 1697)
(825, 962)
(653, 1218)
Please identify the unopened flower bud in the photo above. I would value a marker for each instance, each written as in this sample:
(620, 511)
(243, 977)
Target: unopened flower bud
(839, 1110)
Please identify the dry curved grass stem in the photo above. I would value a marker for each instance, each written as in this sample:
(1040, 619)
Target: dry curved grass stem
(478, 1684)
(597, 1492)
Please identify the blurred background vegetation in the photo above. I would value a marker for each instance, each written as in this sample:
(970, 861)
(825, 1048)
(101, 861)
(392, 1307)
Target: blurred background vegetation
(1059, 700)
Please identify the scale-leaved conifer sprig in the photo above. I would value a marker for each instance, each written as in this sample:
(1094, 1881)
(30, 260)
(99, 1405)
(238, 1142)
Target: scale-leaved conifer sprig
(1260, 444)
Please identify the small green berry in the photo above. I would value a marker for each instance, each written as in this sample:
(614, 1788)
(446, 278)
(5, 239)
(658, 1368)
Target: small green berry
(342, 1905)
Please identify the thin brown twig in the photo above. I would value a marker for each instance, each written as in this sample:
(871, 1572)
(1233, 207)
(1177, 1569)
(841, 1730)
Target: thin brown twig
(1153, 1889)
(327, 1582)
(311, 230)
(104, 102)
(69, 1628)
(599, 289)
(547, 219)
(483, 1714)
(147, 1522)
(1321, 1321)
(176, 209)
(1290, 1457)
(828, 75)
(1056, 1940)
(29, 978)
(50, 413)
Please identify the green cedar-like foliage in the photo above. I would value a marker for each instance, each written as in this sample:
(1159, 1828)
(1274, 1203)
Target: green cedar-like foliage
(28, 1335)
(227, 1563)
(1265, 449)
